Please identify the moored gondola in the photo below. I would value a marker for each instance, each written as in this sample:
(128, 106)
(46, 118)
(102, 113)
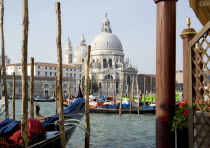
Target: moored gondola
(73, 114)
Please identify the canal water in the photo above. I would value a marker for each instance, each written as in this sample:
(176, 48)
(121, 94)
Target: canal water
(107, 130)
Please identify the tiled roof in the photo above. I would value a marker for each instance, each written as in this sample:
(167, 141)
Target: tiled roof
(55, 65)
(46, 64)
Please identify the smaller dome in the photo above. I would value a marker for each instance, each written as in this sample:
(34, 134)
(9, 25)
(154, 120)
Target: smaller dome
(80, 52)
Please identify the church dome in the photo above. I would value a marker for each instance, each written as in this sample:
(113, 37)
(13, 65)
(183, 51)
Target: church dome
(81, 51)
(106, 42)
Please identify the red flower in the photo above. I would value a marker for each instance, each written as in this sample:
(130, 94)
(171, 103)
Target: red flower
(181, 104)
(185, 101)
(185, 112)
(165, 118)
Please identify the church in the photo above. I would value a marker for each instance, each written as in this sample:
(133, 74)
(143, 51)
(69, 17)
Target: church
(108, 66)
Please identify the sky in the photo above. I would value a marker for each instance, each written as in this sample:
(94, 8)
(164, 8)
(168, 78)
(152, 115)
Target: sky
(132, 21)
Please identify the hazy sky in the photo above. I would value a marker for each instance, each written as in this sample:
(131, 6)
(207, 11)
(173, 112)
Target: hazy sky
(133, 21)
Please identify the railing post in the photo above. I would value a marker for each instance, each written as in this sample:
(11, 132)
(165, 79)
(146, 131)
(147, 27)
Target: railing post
(186, 35)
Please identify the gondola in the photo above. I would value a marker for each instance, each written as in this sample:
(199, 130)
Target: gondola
(73, 114)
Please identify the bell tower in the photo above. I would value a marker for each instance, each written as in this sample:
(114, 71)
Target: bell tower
(68, 53)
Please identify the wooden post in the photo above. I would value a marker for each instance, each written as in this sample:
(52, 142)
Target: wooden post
(60, 92)
(186, 35)
(151, 90)
(87, 111)
(13, 96)
(32, 89)
(140, 98)
(131, 93)
(3, 62)
(113, 91)
(55, 95)
(122, 90)
(106, 90)
(24, 118)
(138, 94)
(99, 89)
(69, 98)
(165, 71)
(144, 90)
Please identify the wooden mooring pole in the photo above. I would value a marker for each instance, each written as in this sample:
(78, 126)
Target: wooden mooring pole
(32, 89)
(55, 95)
(24, 118)
(60, 93)
(122, 90)
(87, 92)
(13, 96)
(69, 97)
(3, 62)
(144, 90)
(138, 94)
(131, 93)
(165, 71)
(113, 90)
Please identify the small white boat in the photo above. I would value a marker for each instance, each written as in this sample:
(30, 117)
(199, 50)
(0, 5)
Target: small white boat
(2, 105)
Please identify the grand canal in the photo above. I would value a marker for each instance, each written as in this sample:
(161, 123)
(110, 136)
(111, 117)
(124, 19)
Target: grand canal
(108, 131)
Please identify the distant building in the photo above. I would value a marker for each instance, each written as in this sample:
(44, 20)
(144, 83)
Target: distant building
(107, 63)
(179, 80)
(44, 86)
(150, 82)
(45, 74)
(149, 85)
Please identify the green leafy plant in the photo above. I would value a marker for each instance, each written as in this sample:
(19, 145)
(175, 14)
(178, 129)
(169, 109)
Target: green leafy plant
(180, 120)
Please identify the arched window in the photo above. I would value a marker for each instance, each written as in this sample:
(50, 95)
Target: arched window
(46, 86)
(108, 76)
(110, 63)
(64, 86)
(104, 63)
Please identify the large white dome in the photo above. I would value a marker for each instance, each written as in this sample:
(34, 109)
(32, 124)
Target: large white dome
(106, 40)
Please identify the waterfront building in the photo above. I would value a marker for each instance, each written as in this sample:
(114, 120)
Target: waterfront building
(44, 75)
(107, 63)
